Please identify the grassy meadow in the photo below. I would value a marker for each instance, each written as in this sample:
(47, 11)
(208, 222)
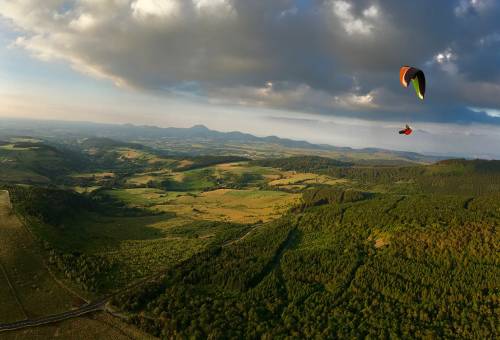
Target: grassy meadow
(28, 288)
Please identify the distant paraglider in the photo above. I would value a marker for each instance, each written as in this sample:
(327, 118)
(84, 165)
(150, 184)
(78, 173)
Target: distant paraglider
(416, 76)
(409, 74)
(406, 131)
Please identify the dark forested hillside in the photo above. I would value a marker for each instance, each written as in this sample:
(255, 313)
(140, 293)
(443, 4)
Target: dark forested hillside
(302, 163)
(421, 266)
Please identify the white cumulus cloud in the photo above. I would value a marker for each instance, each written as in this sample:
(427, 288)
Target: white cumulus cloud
(355, 24)
(142, 9)
(222, 8)
(84, 22)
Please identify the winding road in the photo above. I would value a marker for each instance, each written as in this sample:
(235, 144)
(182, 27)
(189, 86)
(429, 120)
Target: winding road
(86, 309)
(99, 305)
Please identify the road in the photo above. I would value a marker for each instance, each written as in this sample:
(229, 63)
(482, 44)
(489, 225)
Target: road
(86, 309)
(242, 237)
(94, 306)
(98, 305)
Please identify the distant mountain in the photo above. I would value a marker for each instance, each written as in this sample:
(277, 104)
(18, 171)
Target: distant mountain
(199, 133)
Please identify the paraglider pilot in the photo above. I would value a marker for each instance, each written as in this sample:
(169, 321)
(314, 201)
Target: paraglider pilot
(406, 131)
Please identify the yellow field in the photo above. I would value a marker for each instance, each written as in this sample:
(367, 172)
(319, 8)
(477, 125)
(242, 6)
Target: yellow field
(380, 238)
(241, 206)
(293, 178)
(129, 154)
(144, 178)
(141, 179)
(85, 190)
(185, 163)
(230, 166)
(239, 168)
(23, 276)
(25, 139)
(178, 176)
(96, 175)
(12, 147)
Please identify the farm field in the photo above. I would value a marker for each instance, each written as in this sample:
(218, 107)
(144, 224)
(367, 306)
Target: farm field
(127, 154)
(239, 206)
(229, 205)
(142, 179)
(244, 167)
(94, 175)
(303, 179)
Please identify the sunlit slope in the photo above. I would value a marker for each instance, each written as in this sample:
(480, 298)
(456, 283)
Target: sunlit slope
(101, 247)
(27, 288)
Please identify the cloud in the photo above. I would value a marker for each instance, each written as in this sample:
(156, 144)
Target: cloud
(332, 57)
(445, 56)
(354, 101)
(490, 112)
(490, 39)
(352, 24)
(471, 7)
(84, 22)
(446, 61)
(215, 8)
(144, 9)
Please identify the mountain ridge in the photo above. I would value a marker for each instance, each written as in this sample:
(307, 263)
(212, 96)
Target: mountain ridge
(131, 132)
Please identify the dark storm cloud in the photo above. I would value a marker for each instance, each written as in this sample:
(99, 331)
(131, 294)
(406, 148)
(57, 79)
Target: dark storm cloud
(331, 57)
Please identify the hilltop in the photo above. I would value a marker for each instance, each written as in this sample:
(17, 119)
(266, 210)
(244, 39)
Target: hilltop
(200, 140)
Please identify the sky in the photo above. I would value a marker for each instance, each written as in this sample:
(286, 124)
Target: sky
(326, 71)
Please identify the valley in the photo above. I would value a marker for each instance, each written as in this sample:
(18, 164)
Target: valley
(214, 246)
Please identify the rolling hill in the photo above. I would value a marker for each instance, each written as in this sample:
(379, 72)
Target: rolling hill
(199, 140)
(286, 243)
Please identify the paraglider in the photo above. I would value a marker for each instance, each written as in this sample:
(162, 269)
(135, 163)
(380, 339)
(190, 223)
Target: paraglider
(409, 74)
(416, 76)
(406, 131)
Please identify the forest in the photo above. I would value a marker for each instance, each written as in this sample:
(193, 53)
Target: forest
(422, 266)
(347, 263)
(359, 251)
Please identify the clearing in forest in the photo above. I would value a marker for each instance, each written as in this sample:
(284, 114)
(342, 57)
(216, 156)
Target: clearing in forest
(241, 206)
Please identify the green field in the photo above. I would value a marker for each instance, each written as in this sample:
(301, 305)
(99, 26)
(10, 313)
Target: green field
(240, 206)
(135, 246)
(142, 179)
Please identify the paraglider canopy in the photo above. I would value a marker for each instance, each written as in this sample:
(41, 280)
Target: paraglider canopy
(406, 131)
(416, 76)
